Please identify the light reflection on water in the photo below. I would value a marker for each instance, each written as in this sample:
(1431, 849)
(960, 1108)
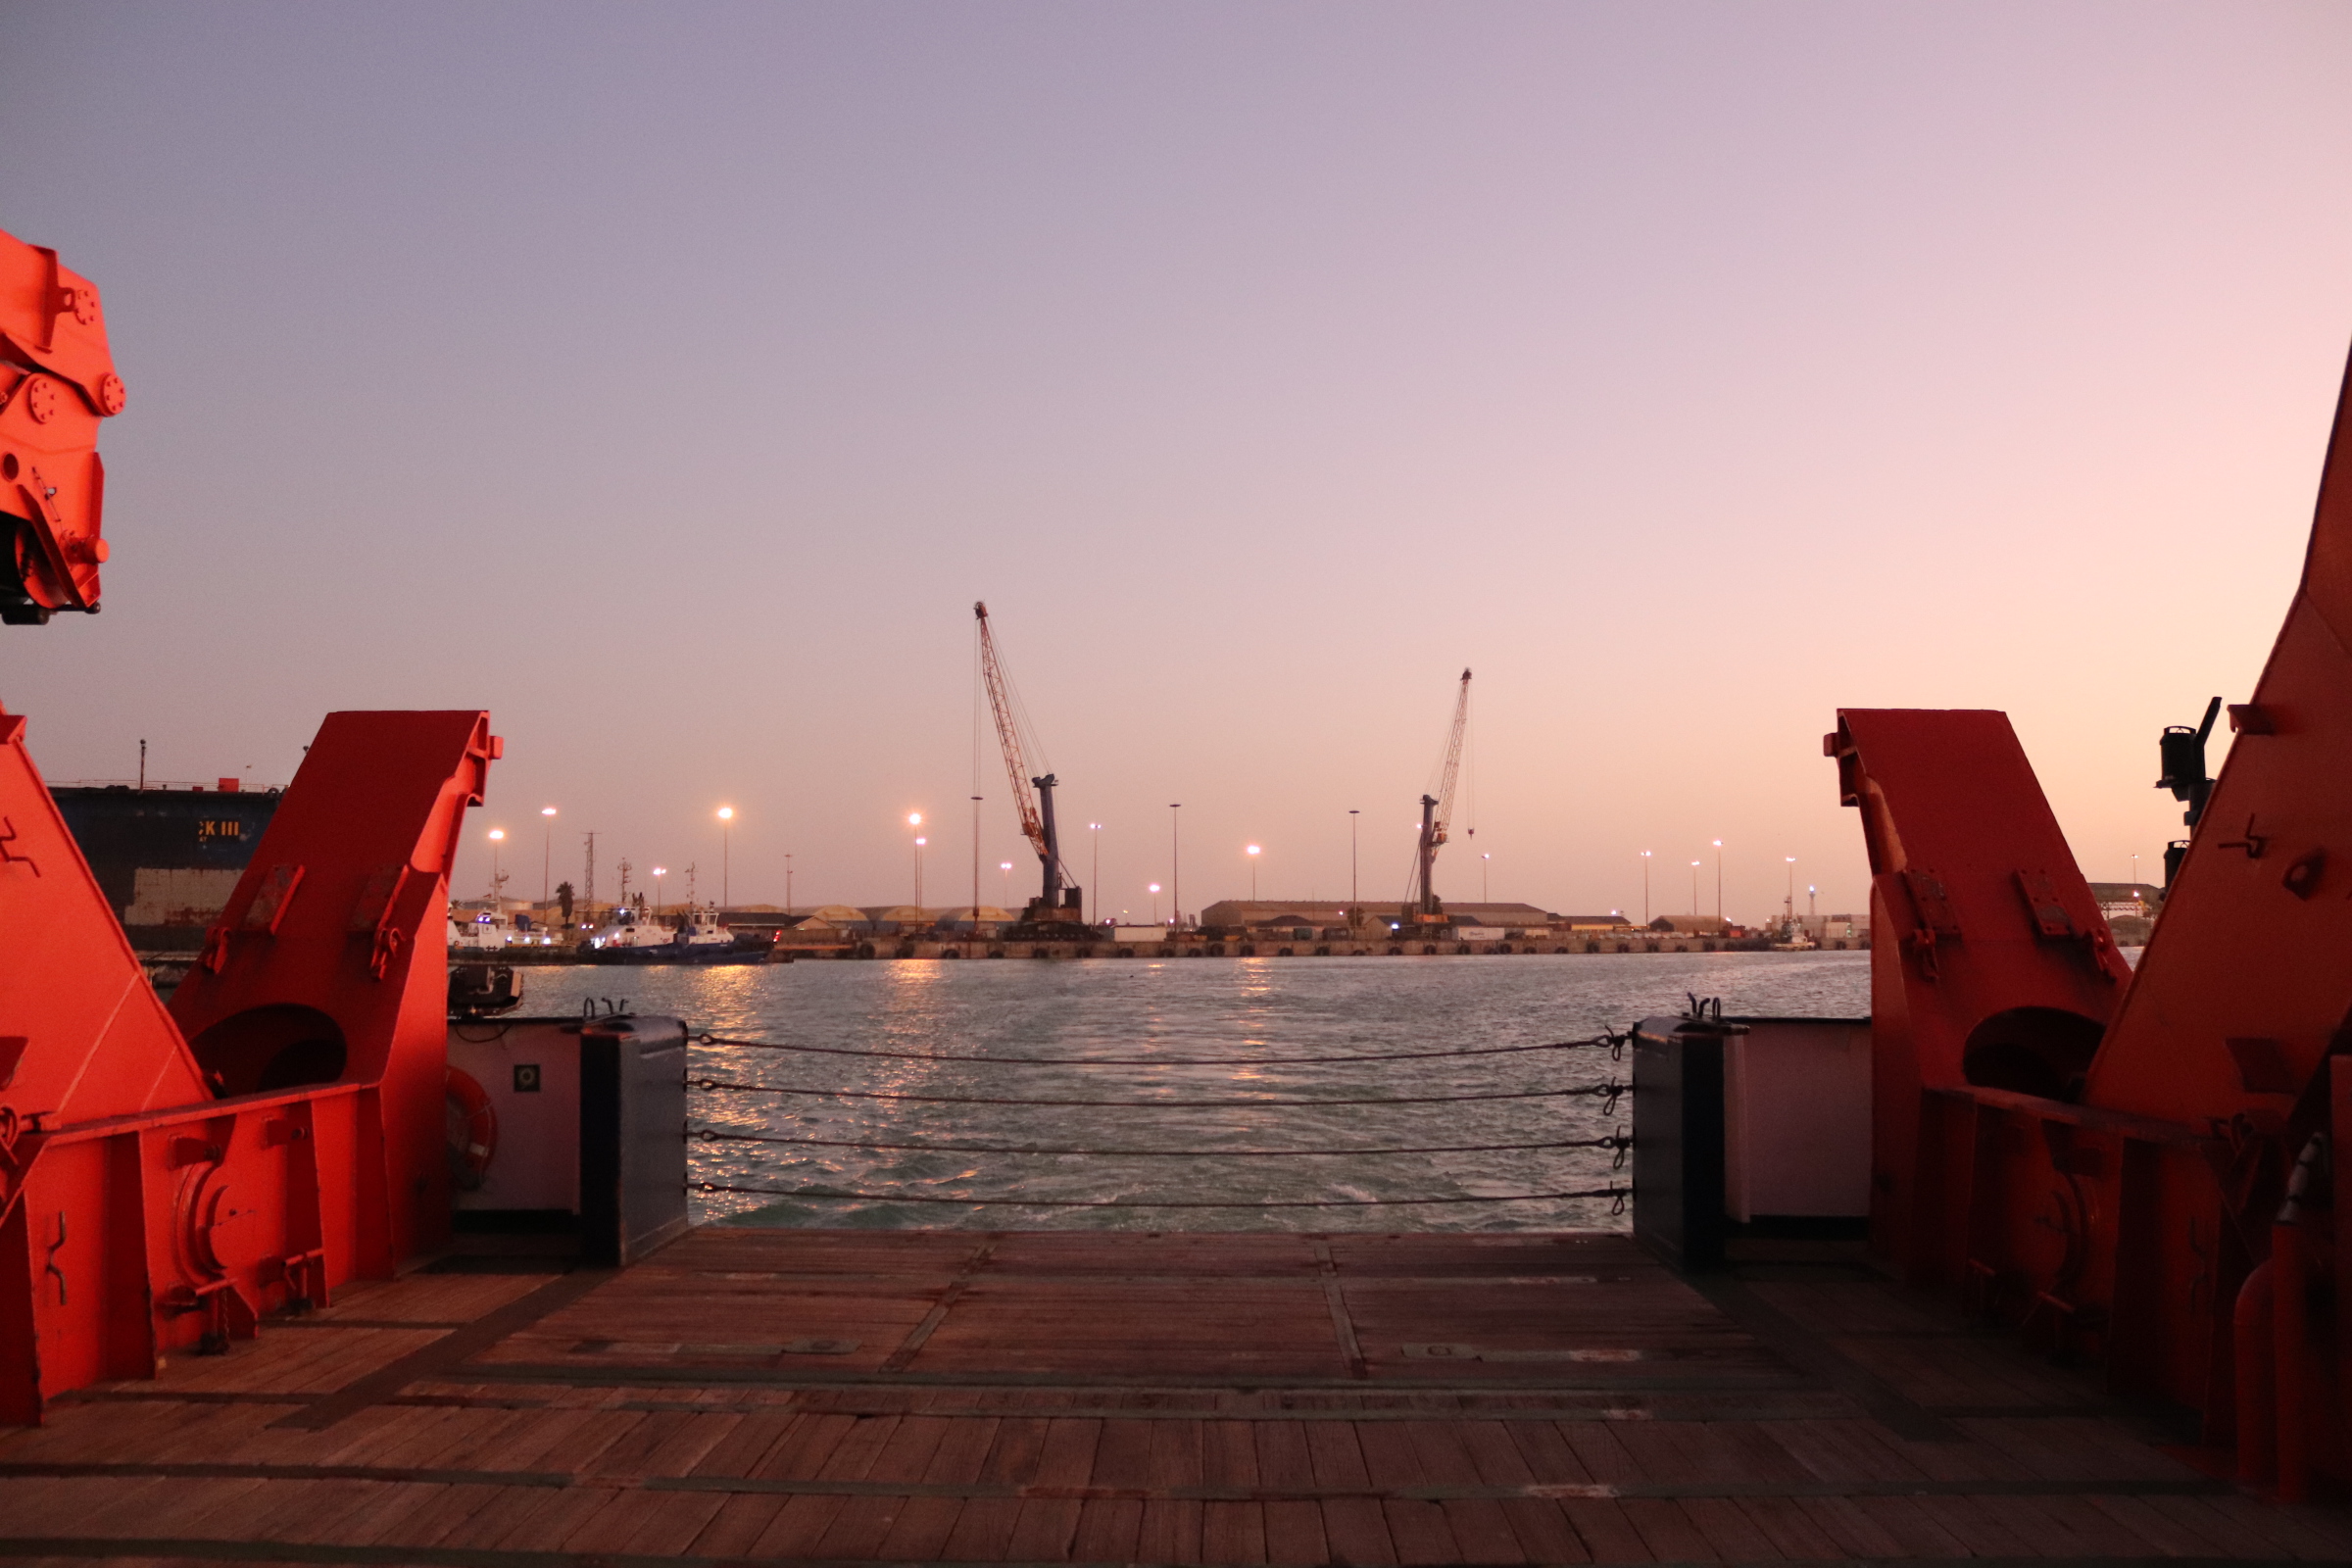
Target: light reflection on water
(1262, 1009)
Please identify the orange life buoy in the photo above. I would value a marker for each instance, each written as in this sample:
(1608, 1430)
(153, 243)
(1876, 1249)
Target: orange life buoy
(472, 1129)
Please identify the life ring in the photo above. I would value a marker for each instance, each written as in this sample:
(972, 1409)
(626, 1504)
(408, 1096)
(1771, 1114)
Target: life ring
(472, 1129)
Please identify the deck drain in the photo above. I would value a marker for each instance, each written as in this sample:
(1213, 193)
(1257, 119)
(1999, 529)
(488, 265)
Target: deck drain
(1472, 1352)
(757, 1352)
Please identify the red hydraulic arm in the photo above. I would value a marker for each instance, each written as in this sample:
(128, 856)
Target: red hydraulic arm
(57, 382)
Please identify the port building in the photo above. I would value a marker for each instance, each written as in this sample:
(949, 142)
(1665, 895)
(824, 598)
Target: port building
(1240, 915)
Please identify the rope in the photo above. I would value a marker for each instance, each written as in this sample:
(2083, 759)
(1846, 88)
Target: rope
(1609, 1092)
(710, 1136)
(1615, 1042)
(1619, 1193)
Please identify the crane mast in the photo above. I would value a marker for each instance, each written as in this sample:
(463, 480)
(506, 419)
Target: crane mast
(1436, 812)
(1056, 896)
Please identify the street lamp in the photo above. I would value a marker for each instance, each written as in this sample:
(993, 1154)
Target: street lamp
(1694, 890)
(1252, 853)
(1175, 864)
(1484, 866)
(546, 852)
(1005, 867)
(659, 871)
(726, 824)
(1719, 879)
(1352, 814)
(1791, 887)
(1155, 904)
(497, 837)
(919, 842)
(1645, 887)
(1095, 885)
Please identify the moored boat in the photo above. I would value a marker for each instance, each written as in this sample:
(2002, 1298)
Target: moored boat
(700, 937)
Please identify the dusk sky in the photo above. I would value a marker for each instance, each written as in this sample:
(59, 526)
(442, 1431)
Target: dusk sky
(671, 379)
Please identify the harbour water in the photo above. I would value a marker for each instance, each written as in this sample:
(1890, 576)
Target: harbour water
(955, 1023)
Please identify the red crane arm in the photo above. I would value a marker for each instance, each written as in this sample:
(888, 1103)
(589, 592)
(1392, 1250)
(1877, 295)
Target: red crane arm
(57, 382)
(1009, 736)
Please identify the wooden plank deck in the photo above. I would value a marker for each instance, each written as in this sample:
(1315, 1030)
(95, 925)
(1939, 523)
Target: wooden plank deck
(1106, 1398)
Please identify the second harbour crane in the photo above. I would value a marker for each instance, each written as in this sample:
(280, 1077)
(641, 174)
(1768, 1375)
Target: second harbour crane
(1436, 809)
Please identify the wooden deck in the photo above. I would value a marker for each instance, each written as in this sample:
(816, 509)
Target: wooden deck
(1120, 1397)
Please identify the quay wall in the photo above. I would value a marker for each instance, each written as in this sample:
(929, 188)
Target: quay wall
(1572, 944)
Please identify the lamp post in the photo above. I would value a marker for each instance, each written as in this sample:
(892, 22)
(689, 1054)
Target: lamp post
(1484, 864)
(1791, 888)
(915, 819)
(1253, 852)
(1352, 896)
(788, 882)
(497, 837)
(726, 824)
(1005, 867)
(1719, 879)
(1095, 883)
(659, 871)
(975, 864)
(1155, 904)
(1812, 910)
(1694, 890)
(546, 852)
(1645, 887)
(1175, 865)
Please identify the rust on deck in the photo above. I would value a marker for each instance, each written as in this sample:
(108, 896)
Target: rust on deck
(1118, 1397)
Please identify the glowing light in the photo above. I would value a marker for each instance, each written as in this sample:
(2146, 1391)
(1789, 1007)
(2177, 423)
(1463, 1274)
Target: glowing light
(497, 833)
(1003, 865)
(547, 811)
(1252, 849)
(920, 841)
(914, 819)
(1155, 887)
(727, 813)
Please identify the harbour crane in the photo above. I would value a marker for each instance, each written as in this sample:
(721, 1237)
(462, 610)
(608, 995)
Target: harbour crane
(1423, 909)
(1060, 902)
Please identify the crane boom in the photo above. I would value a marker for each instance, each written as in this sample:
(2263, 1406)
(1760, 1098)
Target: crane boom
(1436, 812)
(1037, 810)
(1008, 735)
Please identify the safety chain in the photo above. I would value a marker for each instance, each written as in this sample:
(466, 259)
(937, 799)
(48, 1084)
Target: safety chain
(1612, 1041)
(1618, 1140)
(1607, 1092)
(1617, 1194)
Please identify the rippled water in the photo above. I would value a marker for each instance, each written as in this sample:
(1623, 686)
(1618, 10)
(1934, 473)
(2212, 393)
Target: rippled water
(954, 1017)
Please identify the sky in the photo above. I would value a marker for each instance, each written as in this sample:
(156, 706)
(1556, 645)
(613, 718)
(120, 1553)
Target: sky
(670, 380)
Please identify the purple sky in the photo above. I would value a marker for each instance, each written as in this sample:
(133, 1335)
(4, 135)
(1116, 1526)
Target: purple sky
(671, 379)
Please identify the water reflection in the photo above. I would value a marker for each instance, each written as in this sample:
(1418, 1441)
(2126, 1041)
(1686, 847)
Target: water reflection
(958, 1020)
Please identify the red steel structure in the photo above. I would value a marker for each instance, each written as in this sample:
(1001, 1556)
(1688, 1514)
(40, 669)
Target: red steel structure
(170, 1175)
(2139, 1168)
(57, 382)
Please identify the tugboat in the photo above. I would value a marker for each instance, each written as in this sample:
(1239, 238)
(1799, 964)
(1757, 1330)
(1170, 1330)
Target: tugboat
(632, 937)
